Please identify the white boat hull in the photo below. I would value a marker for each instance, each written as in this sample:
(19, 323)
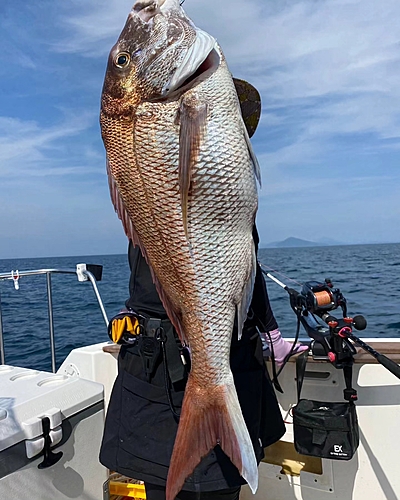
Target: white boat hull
(372, 474)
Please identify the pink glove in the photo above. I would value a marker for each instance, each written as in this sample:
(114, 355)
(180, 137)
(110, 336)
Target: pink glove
(281, 346)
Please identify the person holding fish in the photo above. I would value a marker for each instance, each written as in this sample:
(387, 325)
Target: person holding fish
(147, 403)
(192, 407)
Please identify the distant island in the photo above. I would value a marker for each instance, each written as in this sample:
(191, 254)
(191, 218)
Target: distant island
(297, 242)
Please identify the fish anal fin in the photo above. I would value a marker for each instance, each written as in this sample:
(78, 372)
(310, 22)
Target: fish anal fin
(174, 316)
(192, 119)
(253, 157)
(209, 417)
(244, 305)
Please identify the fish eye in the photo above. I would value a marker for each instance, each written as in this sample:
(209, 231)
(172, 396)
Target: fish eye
(122, 60)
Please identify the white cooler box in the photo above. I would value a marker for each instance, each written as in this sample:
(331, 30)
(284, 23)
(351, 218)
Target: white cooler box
(39, 411)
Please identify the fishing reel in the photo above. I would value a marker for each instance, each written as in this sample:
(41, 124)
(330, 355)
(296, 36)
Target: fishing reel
(333, 337)
(318, 298)
(330, 335)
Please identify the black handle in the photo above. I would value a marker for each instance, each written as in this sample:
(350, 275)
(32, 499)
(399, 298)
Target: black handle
(49, 458)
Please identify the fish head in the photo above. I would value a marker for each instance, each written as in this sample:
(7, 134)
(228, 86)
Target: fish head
(158, 50)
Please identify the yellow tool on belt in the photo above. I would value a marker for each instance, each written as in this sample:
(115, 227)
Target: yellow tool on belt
(128, 490)
(124, 327)
(121, 488)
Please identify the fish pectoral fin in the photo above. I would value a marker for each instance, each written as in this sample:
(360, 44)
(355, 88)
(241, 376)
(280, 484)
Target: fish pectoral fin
(193, 120)
(210, 416)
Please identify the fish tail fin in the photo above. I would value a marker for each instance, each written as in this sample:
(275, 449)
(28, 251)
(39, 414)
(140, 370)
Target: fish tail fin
(210, 417)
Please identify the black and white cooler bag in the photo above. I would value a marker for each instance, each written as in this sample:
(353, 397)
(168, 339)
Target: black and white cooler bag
(322, 429)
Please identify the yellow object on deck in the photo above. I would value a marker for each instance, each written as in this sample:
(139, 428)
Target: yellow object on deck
(283, 453)
(128, 490)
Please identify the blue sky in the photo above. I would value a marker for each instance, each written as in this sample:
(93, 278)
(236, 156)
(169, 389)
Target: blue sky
(328, 143)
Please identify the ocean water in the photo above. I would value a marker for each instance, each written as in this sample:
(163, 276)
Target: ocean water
(367, 275)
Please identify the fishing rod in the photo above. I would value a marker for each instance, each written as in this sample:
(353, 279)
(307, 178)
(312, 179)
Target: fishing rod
(333, 337)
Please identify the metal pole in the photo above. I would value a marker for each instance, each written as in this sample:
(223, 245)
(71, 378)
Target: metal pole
(2, 355)
(48, 272)
(10, 277)
(51, 324)
(96, 291)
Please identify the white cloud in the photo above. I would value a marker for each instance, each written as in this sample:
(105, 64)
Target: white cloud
(326, 69)
(293, 51)
(377, 112)
(307, 52)
(329, 75)
(92, 26)
(28, 149)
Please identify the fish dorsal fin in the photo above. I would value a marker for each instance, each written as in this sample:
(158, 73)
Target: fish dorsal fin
(131, 233)
(192, 118)
(120, 209)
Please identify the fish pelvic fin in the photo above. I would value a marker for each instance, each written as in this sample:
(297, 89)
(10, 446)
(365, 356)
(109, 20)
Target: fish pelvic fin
(192, 118)
(210, 417)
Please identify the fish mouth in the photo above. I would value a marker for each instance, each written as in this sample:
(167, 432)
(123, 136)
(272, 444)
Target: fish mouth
(206, 68)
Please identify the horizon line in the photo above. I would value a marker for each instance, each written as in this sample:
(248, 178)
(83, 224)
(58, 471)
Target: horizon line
(265, 246)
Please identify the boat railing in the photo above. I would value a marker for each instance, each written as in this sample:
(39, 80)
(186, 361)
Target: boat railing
(84, 272)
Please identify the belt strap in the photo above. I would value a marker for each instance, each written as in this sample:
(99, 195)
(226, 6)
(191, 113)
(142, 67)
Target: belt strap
(173, 348)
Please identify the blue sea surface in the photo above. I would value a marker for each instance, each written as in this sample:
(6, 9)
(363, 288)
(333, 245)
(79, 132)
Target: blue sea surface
(367, 275)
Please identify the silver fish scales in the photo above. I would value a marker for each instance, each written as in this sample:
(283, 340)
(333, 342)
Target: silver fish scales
(183, 181)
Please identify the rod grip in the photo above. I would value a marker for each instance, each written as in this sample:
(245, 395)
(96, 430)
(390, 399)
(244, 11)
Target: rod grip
(389, 365)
